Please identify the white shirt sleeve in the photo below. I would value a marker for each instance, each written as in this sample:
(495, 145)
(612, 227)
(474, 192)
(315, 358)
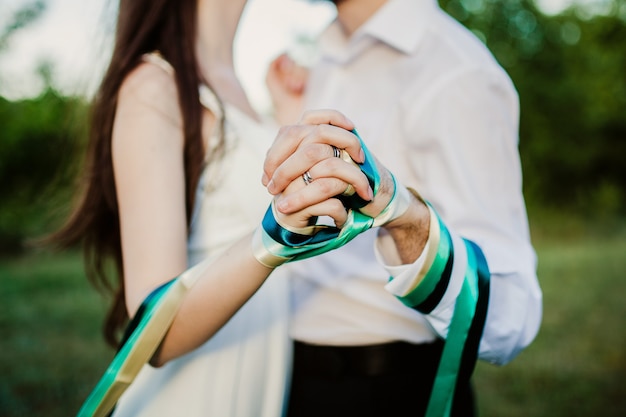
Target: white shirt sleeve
(468, 153)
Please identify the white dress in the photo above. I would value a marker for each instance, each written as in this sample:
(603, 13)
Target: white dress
(243, 370)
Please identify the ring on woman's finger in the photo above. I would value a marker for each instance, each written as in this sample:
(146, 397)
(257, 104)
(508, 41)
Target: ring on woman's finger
(349, 191)
(336, 151)
(307, 178)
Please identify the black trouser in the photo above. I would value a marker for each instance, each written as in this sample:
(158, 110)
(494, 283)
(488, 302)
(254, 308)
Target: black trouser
(388, 380)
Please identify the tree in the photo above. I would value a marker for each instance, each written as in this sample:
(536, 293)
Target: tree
(38, 141)
(570, 72)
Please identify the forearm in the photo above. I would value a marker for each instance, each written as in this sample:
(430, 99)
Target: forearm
(223, 287)
(514, 299)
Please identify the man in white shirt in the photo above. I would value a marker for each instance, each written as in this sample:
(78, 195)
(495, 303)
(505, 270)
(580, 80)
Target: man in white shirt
(436, 109)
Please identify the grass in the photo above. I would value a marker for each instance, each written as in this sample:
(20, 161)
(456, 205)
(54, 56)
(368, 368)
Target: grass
(577, 364)
(52, 351)
(51, 344)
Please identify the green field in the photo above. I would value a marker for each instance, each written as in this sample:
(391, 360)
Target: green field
(52, 353)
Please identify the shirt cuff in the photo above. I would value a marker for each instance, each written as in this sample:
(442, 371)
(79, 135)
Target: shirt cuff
(405, 277)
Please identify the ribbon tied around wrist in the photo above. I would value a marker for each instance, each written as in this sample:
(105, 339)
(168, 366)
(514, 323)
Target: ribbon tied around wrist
(275, 243)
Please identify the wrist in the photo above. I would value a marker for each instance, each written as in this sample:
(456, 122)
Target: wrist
(416, 214)
(410, 231)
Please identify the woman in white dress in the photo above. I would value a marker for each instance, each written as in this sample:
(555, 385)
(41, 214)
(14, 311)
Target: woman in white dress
(173, 177)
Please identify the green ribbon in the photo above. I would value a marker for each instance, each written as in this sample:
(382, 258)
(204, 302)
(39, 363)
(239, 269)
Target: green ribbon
(460, 350)
(280, 244)
(141, 339)
(158, 310)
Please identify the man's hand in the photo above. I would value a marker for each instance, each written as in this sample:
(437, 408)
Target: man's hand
(308, 153)
(286, 82)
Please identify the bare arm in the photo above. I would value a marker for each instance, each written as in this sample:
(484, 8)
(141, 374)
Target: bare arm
(150, 183)
(149, 172)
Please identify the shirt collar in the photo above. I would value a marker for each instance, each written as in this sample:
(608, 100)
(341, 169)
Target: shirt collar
(398, 23)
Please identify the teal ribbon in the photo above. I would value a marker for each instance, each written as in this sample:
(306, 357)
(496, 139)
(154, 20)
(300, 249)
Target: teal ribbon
(461, 345)
(142, 337)
(460, 350)
(157, 311)
(292, 246)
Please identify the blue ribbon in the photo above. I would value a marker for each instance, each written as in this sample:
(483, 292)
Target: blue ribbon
(288, 246)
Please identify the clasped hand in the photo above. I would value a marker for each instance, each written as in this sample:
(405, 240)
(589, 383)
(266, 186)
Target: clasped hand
(307, 170)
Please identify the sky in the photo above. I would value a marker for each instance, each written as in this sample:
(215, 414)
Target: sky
(75, 37)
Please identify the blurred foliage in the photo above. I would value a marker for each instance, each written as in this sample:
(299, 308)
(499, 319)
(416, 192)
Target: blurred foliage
(38, 140)
(570, 71)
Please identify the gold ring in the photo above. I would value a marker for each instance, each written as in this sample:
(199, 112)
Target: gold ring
(349, 191)
(346, 157)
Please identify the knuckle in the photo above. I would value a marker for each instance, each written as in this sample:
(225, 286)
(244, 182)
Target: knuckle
(289, 131)
(326, 186)
(333, 166)
(310, 152)
(319, 132)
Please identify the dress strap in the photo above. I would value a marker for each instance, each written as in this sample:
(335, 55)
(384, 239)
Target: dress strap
(209, 100)
(157, 59)
(207, 97)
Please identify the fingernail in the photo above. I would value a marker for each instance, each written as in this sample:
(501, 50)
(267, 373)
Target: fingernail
(264, 179)
(362, 155)
(370, 193)
(270, 186)
(282, 205)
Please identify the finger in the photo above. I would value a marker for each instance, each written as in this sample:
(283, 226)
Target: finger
(274, 74)
(338, 137)
(331, 208)
(307, 155)
(285, 144)
(284, 163)
(298, 79)
(294, 76)
(349, 173)
(317, 191)
(326, 116)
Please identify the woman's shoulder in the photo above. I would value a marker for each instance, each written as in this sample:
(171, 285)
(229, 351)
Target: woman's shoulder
(150, 85)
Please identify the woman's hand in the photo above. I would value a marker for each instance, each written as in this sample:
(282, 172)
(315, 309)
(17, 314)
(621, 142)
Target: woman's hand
(306, 216)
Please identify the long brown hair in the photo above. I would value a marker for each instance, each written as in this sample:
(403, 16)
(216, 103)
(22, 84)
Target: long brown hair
(143, 26)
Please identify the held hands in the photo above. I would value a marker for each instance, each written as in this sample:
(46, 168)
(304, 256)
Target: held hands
(320, 158)
(321, 167)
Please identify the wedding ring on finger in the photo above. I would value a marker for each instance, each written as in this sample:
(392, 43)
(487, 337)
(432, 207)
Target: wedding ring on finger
(349, 191)
(307, 178)
(343, 154)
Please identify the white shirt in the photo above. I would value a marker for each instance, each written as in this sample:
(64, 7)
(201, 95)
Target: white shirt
(434, 106)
